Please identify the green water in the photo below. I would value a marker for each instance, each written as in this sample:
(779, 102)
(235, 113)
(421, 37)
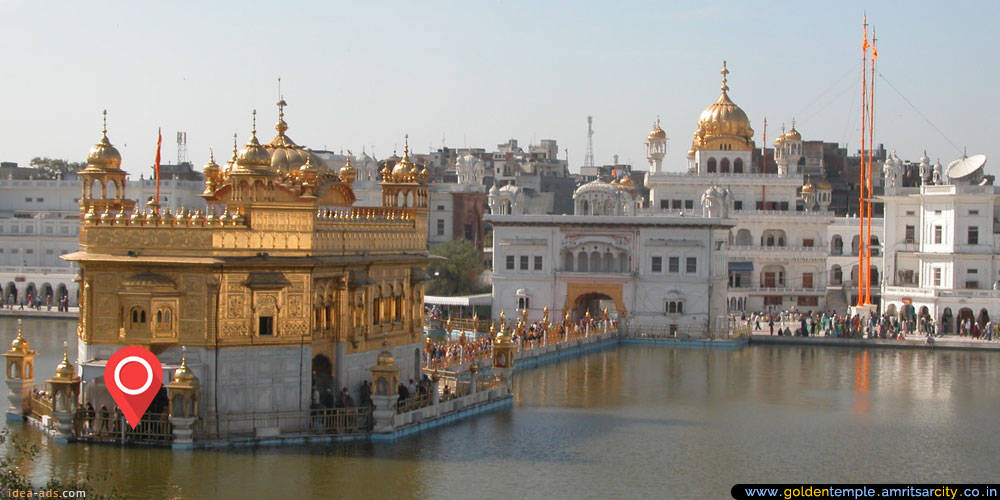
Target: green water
(628, 422)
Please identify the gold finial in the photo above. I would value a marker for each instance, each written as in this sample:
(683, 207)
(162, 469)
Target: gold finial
(19, 331)
(253, 128)
(104, 129)
(406, 146)
(724, 72)
(211, 155)
(184, 356)
(235, 149)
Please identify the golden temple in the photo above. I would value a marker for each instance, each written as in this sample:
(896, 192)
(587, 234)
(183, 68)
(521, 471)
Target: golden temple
(278, 287)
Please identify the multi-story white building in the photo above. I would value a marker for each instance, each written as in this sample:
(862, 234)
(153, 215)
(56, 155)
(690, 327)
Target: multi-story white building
(942, 246)
(662, 272)
(779, 248)
(40, 220)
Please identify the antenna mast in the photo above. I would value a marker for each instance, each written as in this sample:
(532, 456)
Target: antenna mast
(588, 161)
(182, 149)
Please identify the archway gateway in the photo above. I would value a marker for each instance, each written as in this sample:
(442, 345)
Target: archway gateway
(581, 296)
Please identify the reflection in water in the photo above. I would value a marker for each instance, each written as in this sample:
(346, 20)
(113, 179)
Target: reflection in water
(628, 422)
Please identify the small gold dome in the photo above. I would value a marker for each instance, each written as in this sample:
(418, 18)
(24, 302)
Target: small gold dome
(385, 359)
(793, 135)
(657, 132)
(825, 184)
(404, 169)
(19, 344)
(65, 369)
(104, 155)
(184, 375)
(808, 188)
(211, 168)
(779, 140)
(626, 182)
(253, 154)
(347, 172)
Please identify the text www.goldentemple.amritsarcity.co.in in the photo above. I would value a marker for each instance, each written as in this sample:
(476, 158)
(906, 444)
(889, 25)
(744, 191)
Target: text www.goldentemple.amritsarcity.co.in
(856, 491)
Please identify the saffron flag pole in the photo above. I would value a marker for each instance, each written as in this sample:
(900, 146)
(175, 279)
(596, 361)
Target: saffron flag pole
(156, 169)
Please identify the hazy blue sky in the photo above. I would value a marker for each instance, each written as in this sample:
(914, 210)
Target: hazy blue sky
(477, 73)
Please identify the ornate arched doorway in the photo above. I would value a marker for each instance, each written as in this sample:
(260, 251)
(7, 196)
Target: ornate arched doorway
(581, 297)
(595, 303)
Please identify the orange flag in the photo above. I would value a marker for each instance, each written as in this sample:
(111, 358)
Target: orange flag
(156, 168)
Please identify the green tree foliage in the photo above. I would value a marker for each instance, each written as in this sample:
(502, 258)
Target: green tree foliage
(458, 274)
(14, 481)
(51, 168)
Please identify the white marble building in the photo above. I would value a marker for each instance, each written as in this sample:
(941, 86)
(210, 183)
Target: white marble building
(779, 246)
(659, 272)
(942, 247)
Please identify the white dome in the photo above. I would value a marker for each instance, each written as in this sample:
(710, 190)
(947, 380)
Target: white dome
(596, 186)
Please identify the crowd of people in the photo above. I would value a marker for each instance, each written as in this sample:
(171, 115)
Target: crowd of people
(882, 326)
(34, 302)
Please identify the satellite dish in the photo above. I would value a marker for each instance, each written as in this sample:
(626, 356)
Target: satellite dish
(966, 168)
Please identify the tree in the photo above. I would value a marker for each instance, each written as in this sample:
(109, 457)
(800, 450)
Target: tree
(52, 168)
(457, 275)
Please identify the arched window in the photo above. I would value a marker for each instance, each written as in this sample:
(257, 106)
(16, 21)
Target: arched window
(586, 208)
(837, 245)
(581, 262)
(595, 262)
(724, 166)
(622, 262)
(711, 165)
(568, 262)
(609, 262)
(675, 307)
(738, 166)
(137, 316)
(743, 238)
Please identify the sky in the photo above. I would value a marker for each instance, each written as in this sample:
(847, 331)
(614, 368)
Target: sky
(476, 73)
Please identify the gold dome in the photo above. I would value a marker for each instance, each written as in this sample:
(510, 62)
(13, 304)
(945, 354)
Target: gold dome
(808, 188)
(347, 172)
(779, 140)
(184, 375)
(626, 182)
(793, 135)
(824, 184)
(103, 155)
(19, 344)
(253, 155)
(404, 169)
(286, 156)
(657, 132)
(211, 168)
(65, 369)
(723, 121)
(385, 358)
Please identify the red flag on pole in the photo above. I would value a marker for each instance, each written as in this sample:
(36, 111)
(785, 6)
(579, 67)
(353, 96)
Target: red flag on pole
(159, 141)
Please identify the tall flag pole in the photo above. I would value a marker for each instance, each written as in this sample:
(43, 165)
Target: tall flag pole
(861, 170)
(156, 168)
(871, 147)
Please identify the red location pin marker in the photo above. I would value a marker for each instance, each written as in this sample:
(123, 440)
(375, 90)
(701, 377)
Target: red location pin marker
(133, 376)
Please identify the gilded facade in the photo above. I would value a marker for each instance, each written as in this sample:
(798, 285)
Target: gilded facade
(276, 287)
